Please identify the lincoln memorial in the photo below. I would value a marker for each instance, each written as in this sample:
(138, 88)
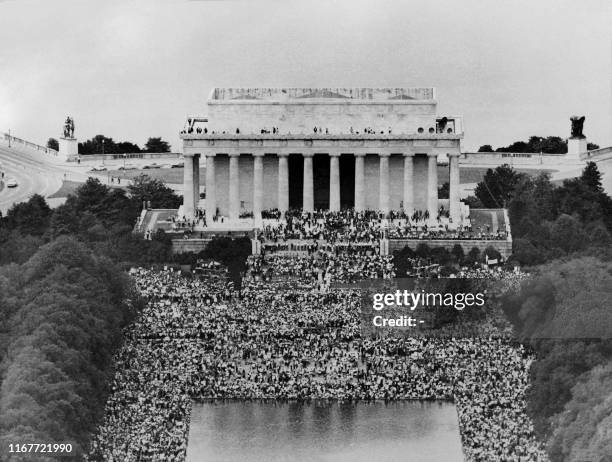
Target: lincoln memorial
(320, 148)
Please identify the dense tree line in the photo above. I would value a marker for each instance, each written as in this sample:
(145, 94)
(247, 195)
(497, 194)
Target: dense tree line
(564, 315)
(101, 144)
(62, 316)
(550, 221)
(545, 145)
(406, 259)
(63, 303)
(100, 216)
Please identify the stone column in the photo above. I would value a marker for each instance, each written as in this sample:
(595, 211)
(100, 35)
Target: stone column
(283, 182)
(196, 181)
(454, 199)
(432, 186)
(360, 181)
(188, 205)
(383, 182)
(308, 192)
(409, 183)
(334, 182)
(257, 187)
(211, 191)
(234, 187)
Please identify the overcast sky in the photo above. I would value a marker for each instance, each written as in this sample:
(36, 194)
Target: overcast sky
(134, 69)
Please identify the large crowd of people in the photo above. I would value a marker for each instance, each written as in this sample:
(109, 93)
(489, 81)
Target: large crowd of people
(367, 226)
(282, 335)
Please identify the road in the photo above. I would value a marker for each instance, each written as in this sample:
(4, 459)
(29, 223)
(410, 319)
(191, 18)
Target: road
(34, 175)
(37, 173)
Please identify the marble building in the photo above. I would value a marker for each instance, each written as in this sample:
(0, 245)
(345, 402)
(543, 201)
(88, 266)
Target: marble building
(320, 148)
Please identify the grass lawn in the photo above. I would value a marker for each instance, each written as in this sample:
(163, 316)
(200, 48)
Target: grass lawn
(67, 188)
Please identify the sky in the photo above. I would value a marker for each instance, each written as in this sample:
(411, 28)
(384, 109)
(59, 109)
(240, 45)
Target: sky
(133, 69)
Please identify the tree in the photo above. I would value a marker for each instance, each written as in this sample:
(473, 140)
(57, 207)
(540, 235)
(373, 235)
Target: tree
(444, 191)
(592, 146)
(100, 144)
(63, 315)
(52, 143)
(473, 202)
(458, 253)
(567, 234)
(497, 187)
(473, 255)
(440, 255)
(126, 147)
(485, 148)
(97, 145)
(582, 426)
(563, 312)
(492, 253)
(525, 253)
(157, 145)
(535, 144)
(233, 253)
(145, 188)
(31, 217)
(423, 251)
(548, 145)
(591, 177)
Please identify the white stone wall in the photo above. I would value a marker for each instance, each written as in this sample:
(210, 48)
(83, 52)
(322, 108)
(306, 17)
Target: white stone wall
(301, 118)
(299, 110)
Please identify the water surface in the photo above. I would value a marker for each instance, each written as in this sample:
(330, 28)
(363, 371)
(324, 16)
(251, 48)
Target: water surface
(235, 431)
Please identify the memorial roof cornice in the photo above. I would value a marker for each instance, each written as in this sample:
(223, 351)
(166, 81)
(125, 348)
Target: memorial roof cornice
(406, 136)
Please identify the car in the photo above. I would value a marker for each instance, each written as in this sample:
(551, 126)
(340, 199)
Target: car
(11, 183)
(179, 165)
(153, 165)
(127, 167)
(99, 168)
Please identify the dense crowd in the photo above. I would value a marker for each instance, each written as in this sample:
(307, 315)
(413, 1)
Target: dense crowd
(324, 267)
(366, 226)
(280, 336)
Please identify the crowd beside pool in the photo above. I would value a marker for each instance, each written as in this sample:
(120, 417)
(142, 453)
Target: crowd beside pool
(285, 335)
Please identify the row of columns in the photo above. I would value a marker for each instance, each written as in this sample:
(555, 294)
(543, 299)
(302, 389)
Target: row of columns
(191, 184)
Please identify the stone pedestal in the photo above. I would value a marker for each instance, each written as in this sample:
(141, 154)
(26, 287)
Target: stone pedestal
(575, 147)
(68, 149)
